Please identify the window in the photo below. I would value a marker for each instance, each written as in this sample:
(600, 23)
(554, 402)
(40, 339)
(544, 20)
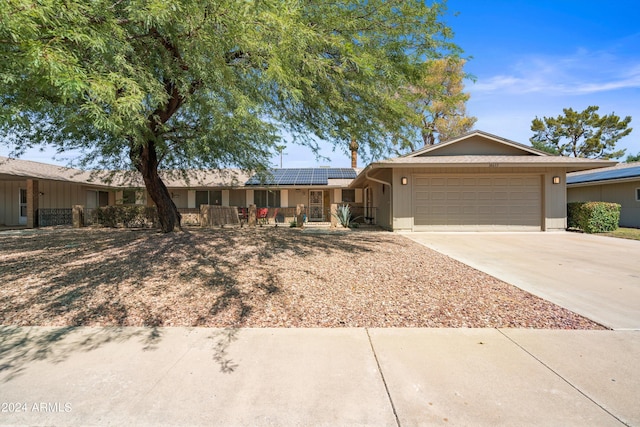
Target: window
(215, 198)
(97, 199)
(349, 196)
(208, 198)
(266, 198)
(128, 197)
(638, 194)
(103, 198)
(202, 198)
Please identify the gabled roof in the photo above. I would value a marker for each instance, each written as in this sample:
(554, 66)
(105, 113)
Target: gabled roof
(484, 150)
(303, 176)
(617, 173)
(477, 143)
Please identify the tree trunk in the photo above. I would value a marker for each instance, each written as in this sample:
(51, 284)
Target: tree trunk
(145, 160)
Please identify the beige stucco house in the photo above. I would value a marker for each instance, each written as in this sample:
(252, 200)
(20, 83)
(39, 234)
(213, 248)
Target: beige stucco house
(477, 181)
(619, 184)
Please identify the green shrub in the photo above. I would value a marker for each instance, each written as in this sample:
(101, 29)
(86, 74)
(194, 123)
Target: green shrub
(593, 217)
(126, 216)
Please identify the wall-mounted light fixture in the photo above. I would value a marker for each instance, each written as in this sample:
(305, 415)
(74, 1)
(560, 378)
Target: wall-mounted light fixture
(404, 180)
(556, 180)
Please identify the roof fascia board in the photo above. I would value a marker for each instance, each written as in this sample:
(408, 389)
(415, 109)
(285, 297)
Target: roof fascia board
(605, 181)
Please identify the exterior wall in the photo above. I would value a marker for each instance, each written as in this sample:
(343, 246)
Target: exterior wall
(382, 196)
(51, 195)
(623, 193)
(554, 211)
(299, 196)
(554, 202)
(62, 194)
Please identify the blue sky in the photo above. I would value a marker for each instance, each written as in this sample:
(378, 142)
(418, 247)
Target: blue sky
(530, 58)
(534, 58)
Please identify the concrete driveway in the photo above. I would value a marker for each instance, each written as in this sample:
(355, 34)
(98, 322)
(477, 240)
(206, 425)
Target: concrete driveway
(595, 276)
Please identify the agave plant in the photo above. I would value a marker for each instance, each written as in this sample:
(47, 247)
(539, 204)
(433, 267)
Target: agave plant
(343, 215)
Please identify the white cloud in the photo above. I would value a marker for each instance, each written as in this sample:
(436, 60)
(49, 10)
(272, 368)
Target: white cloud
(581, 73)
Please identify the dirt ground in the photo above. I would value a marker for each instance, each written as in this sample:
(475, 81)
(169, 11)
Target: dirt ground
(260, 277)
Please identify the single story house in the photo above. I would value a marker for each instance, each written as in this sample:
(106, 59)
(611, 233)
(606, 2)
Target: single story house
(475, 182)
(27, 187)
(619, 184)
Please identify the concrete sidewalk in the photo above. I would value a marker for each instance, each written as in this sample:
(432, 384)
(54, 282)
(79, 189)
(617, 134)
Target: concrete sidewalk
(595, 276)
(327, 377)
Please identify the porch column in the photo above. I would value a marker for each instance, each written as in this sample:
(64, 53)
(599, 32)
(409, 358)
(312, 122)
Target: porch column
(33, 194)
(299, 215)
(334, 213)
(78, 216)
(251, 220)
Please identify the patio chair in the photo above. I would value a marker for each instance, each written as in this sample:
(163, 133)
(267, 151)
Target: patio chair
(262, 215)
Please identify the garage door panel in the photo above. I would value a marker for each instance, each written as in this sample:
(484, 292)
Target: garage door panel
(489, 202)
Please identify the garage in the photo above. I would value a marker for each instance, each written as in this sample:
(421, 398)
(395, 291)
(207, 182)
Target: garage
(484, 202)
(474, 182)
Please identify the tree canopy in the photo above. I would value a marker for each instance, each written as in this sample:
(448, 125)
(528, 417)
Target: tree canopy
(441, 102)
(152, 85)
(632, 158)
(581, 134)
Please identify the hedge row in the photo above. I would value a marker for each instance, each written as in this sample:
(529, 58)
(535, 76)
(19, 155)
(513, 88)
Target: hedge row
(126, 216)
(593, 217)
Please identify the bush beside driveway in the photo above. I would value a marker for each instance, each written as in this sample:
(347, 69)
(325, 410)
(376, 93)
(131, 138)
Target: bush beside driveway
(262, 277)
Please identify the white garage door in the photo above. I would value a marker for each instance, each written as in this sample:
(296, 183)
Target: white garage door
(454, 202)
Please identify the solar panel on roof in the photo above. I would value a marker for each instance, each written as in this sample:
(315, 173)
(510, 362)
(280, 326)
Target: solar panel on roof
(605, 175)
(302, 176)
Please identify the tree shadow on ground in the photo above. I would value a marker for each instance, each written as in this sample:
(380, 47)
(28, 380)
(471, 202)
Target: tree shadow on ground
(113, 277)
(117, 278)
(20, 346)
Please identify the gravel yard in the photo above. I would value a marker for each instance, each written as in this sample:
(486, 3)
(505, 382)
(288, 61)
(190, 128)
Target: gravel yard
(261, 277)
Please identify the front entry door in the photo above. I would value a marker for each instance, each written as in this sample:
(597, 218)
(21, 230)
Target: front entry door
(316, 205)
(22, 205)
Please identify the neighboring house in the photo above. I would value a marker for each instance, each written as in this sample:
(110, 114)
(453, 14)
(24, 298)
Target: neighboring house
(28, 187)
(619, 184)
(475, 182)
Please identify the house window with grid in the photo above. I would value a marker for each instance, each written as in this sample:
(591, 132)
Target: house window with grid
(266, 198)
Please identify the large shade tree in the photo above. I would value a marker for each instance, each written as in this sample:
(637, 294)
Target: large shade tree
(580, 133)
(152, 85)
